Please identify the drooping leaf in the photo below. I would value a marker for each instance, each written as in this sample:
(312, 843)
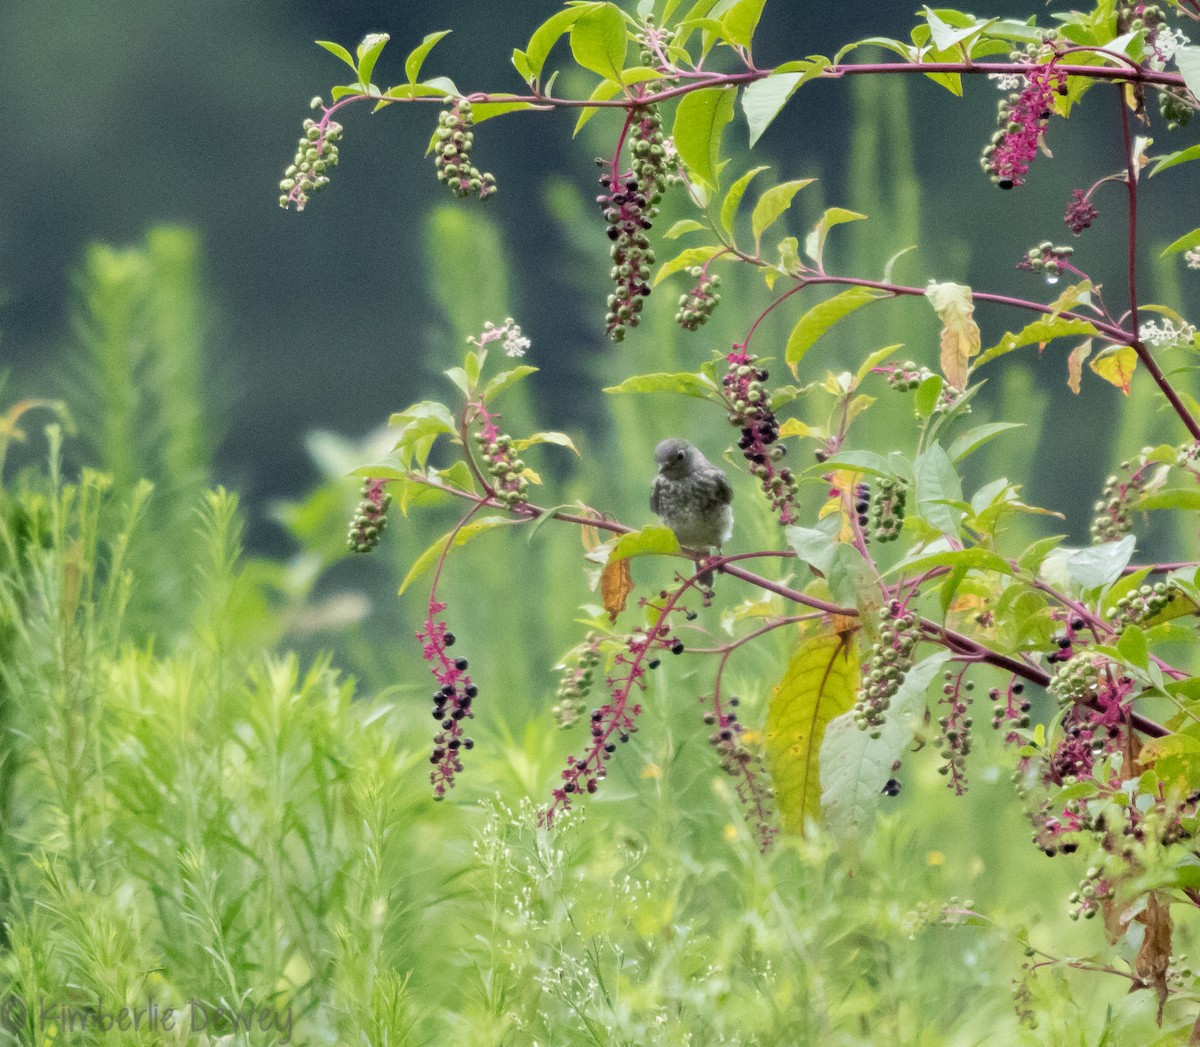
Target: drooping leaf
(340, 52)
(1188, 61)
(1116, 366)
(685, 383)
(773, 203)
(1181, 156)
(1101, 565)
(938, 484)
(454, 539)
(974, 439)
(763, 99)
(733, 198)
(855, 767)
(1075, 364)
(818, 684)
(559, 439)
(823, 316)
(505, 379)
(1039, 332)
(814, 243)
(960, 338)
(545, 37)
(687, 259)
(700, 121)
(649, 541)
(1185, 242)
(616, 583)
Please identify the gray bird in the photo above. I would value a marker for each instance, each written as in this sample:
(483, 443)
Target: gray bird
(692, 497)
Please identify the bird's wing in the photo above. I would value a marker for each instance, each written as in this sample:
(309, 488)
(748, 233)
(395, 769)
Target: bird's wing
(655, 493)
(722, 490)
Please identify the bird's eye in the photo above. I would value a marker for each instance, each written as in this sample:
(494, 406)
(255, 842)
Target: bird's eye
(679, 456)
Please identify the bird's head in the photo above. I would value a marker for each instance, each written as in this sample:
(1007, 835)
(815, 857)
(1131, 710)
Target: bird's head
(676, 458)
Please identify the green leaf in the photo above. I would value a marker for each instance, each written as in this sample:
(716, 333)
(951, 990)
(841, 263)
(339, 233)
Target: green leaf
(684, 225)
(547, 35)
(419, 426)
(1101, 565)
(340, 52)
(700, 121)
(368, 54)
(814, 243)
(740, 21)
(599, 43)
(969, 559)
(763, 100)
(823, 316)
(559, 439)
(818, 685)
(773, 203)
(506, 378)
(1175, 498)
(938, 484)
(1184, 243)
(733, 198)
(855, 767)
(1188, 61)
(604, 90)
(1182, 156)
(859, 461)
(873, 361)
(973, 439)
(1039, 332)
(816, 545)
(927, 395)
(497, 105)
(686, 259)
(1031, 559)
(456, 538)
(1133, 649)
(649, 541)
(685, 382)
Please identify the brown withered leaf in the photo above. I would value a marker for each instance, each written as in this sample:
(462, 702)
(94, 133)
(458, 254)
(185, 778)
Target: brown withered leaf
(960, 333)
(616, 583)
(1154, 956)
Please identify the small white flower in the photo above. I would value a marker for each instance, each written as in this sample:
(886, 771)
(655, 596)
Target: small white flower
(1167, 333)
(1166, 42)
(1192, 258)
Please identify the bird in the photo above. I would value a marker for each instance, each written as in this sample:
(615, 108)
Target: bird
(692, 497)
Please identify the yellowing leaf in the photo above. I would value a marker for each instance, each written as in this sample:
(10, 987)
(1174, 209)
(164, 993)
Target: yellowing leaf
(819, 683)
(794, 427)
(1116, 366)
(616, 583)
(960, 332)
(1075, 364)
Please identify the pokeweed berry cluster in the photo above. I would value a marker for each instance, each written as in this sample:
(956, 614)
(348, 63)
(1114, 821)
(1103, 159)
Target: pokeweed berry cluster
(370, 518)
(575, 683)
(625, 210)
(887, 662)
(614, 721)
(1175, 106)
(696, 305)
(316, 153)
(1022, 119)
(1080, 213)
(653, 158)
(955, 729)
(862, 504)
(1011, 710)
(1049, 259)
(1143, 604)
(745, 767)
(887, 509)
(750, 409)
(452, 700)
(506, 469)
(1114, 512)
(906, 377)
(452, 153)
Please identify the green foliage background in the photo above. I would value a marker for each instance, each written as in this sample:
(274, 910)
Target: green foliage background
(213, 773)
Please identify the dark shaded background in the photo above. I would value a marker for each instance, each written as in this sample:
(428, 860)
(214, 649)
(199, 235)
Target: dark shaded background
(127, 113)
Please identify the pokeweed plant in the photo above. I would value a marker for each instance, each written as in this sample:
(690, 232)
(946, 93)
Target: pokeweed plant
(901, 583)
